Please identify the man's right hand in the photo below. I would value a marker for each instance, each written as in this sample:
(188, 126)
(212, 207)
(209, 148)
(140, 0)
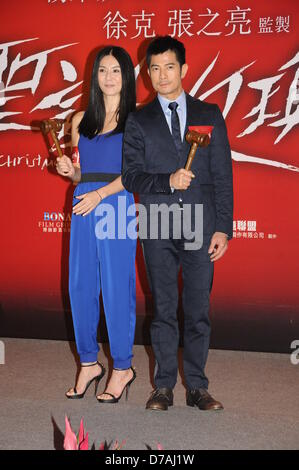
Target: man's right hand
(65, 167)
(181, 179)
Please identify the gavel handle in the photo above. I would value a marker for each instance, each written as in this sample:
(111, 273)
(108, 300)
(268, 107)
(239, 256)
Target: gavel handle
(191, 156)
(58, 148)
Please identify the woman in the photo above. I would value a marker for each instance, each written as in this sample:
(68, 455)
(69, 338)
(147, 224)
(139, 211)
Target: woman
(98, 263)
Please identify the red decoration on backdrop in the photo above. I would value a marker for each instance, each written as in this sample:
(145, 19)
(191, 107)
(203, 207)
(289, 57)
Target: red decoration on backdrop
(45, 72)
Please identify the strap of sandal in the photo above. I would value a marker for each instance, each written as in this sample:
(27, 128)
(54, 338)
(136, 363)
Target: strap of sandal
(107, 393)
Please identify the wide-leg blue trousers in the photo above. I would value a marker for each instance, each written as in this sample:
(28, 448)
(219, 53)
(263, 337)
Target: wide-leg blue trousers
(100, 263)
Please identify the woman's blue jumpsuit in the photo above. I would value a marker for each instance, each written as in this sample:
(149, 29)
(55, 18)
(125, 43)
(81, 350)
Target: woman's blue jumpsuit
(103, 264)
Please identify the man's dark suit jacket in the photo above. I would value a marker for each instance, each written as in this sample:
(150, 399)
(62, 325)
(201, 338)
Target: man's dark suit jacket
(150, 156)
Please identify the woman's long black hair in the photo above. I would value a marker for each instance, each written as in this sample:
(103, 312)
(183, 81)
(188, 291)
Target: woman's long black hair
(94, 117)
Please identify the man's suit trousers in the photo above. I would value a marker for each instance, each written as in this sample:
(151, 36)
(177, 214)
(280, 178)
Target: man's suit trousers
(163, 260)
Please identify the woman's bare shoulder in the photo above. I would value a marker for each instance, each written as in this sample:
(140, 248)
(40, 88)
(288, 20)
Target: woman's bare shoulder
(77, 118)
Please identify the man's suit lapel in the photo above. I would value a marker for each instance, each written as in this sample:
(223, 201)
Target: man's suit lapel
(190, 117)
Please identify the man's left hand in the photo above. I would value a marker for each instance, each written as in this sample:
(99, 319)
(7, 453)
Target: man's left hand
(218, 246)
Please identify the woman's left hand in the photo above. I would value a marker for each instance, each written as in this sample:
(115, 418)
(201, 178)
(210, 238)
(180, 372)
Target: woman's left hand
(88, 202)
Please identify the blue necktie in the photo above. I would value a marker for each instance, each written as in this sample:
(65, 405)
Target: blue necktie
(175, 126)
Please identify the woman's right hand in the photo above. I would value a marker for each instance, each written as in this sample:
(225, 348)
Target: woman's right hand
(65, 167)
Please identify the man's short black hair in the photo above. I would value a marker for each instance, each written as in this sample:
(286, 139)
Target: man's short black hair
(165, 43)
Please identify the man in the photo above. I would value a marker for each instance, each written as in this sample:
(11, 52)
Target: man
(154, 155)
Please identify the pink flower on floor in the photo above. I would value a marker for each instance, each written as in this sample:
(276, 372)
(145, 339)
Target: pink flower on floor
(80, 442)
(83, 440)
(73, 442)
(102, 446)
(111, 446)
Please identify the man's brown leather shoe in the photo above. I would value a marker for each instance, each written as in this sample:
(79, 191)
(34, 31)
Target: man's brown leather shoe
(160, 399)
(203, 400)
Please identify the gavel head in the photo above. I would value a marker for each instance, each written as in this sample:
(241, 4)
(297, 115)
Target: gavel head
(194, 137)
(49, 124)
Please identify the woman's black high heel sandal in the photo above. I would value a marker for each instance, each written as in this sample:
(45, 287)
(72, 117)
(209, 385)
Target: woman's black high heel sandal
(114, 399)
(96, 379)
